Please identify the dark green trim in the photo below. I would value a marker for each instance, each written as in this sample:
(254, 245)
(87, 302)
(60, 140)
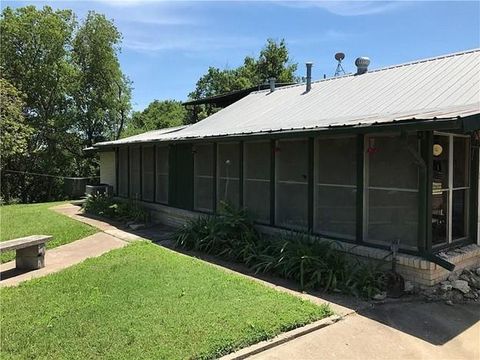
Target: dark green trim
(311, 181)
(471, 123)
(240, 173)
(422, 192)
(474, 194)
(154, 173)
(117, 152)
(214, 169)
(141, 171)
(428, 158)
(172, 175)
(360, 187)
(128, 171)
(273, 146)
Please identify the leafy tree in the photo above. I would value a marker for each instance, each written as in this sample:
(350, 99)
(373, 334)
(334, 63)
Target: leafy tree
(157, 115)
(101, 91)
(273, 61)
(13, 129)
(75, 92)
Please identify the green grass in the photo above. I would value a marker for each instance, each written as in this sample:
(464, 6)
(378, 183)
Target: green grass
(144, 302)
(38, 219)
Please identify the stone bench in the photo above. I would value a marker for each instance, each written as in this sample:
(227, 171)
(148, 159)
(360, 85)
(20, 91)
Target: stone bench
(30, 251)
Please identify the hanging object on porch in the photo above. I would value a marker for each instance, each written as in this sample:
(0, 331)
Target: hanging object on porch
(437, 149)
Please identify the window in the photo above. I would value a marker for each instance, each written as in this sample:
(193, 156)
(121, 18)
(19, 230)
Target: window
(161, 192)
(391, 189)
(256, 174)
(203, 174)
(228, 173)
(335, 186)
(450, 188)
(148, 173)
(135, 187)
(123, 171)
(291, 183)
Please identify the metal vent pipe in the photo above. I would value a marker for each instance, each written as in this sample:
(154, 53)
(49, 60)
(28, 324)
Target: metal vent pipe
(309, 76)
(271, 81)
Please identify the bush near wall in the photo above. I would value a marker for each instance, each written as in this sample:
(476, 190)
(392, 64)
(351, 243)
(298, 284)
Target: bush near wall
(313, 262)
(107, 206)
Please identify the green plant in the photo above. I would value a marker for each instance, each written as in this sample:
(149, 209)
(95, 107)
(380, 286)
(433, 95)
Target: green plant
(312, 262)
(104, 205)
(230, 234)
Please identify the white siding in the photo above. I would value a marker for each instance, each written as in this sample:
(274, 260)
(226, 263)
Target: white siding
(107, 169)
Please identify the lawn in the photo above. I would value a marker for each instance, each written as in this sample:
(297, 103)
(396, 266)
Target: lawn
(144, 302)
(24, 220)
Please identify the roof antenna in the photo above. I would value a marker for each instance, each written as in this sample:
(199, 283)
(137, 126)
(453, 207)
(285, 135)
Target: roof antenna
(339, 57)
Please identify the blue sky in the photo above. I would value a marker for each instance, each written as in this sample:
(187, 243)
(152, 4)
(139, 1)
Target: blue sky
(167, 46)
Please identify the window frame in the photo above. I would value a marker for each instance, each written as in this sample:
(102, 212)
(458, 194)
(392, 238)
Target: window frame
(450, 189)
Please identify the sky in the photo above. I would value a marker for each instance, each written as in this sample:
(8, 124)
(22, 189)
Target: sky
(168, 45)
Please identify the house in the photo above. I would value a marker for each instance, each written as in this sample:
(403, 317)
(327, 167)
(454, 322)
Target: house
(370, 159)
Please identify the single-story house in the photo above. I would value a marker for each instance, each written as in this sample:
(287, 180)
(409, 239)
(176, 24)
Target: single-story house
(372, 158)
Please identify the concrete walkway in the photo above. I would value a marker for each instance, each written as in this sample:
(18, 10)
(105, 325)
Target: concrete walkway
(111, 228)
(62, 257)
(391, 331)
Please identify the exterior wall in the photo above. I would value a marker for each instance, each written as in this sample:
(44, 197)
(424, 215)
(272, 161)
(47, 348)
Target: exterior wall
(478, 201)
(386, 211)
(107, 169)
(412, 268)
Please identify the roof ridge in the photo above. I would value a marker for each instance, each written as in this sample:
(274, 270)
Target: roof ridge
(389, 67)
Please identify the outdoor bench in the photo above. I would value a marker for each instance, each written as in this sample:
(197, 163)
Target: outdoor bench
(30, 251)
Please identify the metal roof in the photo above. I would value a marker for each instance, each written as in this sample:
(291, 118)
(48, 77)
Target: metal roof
(144, 137)
(444, 87)
(229, 98)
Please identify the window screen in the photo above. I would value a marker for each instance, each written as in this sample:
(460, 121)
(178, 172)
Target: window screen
(135, 186)
(335, 186)
(147, 173)
(161, 192)
(256, 175)
(123, 172)
(203, 173)
(228, 173)
(291, 183)
(392, 189)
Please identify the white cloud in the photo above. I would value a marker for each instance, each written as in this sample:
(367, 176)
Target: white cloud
(153, 43)
(348, 8)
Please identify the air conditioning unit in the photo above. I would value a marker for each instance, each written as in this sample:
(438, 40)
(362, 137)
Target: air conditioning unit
(101, 189)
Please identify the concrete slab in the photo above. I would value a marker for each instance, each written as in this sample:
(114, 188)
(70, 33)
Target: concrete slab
(391, 331)
(74, 212)
(62, 257)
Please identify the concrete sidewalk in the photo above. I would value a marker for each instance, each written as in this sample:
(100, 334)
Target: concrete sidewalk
(62, 257)
(403, 331)
(111, 228)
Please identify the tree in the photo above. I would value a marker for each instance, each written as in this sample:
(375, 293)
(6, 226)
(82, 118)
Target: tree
(75, 91)
(13, 129)
(157, 115)
(273, 61)
(101, 91)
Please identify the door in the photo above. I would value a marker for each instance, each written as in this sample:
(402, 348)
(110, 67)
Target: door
(181, 176)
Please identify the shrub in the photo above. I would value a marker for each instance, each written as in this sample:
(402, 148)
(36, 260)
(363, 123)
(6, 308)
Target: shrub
(104, 205)
(230, 234)
(313, 262)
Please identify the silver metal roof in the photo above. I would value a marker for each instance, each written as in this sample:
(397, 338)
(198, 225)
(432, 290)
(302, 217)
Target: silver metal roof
(438, 88)
(144, 137)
